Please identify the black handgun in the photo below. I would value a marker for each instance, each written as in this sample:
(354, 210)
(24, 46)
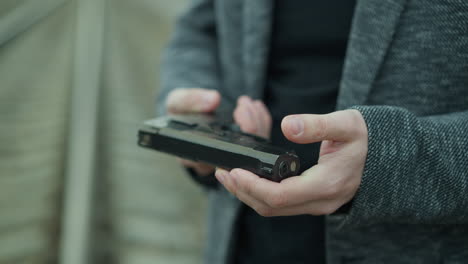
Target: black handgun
(205, 138)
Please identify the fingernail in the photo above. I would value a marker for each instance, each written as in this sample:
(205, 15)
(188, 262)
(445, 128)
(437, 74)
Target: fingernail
(221, 176)
(296, 125)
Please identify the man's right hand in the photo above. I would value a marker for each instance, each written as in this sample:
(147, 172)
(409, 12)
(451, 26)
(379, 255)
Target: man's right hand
(193, 100)
(251, 115)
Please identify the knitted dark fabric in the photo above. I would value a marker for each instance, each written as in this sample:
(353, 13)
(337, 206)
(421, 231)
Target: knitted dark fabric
(417, 144)
(432, 186)
(412, 205)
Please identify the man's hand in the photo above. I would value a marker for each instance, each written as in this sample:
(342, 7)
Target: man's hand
(321, 189)
(252, 116)
(193, 100)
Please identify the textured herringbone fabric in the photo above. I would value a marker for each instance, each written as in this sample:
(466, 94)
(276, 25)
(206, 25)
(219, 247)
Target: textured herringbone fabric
(418, 141)
(412, 204)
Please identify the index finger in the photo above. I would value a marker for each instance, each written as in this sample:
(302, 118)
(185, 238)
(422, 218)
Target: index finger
(289, 192)
(192, 100)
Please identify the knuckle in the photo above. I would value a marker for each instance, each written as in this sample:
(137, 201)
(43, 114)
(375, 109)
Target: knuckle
(326, 209)
(331, 192)
(229, 186)
(248, 188)
(279, 199)
(321, 127)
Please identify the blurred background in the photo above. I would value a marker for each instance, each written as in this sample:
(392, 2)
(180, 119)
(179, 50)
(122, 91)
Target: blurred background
(77, 77)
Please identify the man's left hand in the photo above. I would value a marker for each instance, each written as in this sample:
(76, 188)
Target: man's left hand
(321, 189)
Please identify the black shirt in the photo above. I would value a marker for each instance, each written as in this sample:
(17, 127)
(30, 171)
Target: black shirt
(306, 58)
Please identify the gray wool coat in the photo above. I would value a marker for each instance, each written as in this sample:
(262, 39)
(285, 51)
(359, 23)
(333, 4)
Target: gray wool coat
(406, 71)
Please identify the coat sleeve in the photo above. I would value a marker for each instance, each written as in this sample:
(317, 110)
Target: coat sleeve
(416, 170)
(190, 60)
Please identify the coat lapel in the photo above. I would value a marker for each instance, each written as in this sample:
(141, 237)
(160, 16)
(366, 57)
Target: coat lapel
(374, 26)
(257, 17)
(373, 29)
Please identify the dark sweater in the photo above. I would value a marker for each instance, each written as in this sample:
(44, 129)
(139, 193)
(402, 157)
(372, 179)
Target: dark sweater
(306, 58)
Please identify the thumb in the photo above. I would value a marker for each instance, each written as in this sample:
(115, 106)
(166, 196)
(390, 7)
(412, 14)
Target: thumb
(336, 126)
(192, 100)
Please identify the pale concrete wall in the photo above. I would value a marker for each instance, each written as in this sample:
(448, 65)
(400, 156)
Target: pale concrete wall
(158, 212)
(148, 211)
(35, 76)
